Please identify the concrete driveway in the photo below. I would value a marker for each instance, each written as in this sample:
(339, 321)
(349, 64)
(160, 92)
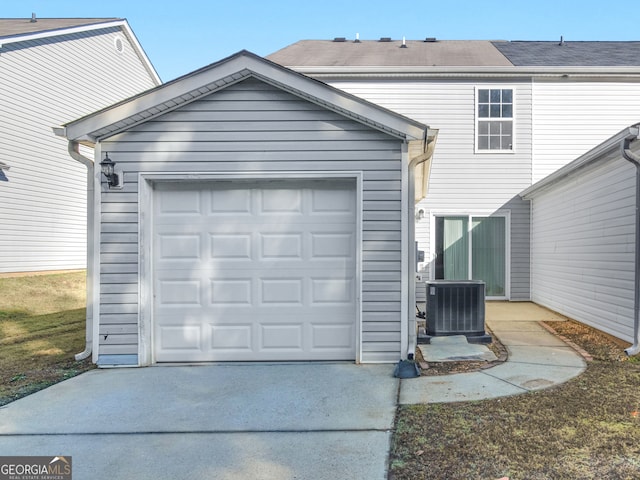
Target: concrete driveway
(273, 421)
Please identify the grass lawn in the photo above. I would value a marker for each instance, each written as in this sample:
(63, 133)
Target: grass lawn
(588, 428)
(42, 327)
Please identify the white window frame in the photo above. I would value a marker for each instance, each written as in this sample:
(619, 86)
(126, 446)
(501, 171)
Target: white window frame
(506, 214)
(478, 120)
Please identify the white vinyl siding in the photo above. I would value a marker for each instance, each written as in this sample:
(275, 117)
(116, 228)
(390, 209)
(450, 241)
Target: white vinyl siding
(46, 83)
(463, 181)
(583, 246)
(570, 118)
(253, 127)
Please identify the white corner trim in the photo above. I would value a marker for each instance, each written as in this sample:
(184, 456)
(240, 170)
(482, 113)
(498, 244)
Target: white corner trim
(97, 238)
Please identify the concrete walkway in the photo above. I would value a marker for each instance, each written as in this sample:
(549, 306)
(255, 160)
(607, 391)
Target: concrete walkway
(537, 359)
(265, 421)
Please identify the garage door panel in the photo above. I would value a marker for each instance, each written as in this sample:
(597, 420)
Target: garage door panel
(179, 337)
(280, 202)
(332, 336)
(230, 246)
(183, 202)
(231, 292)
(176, 247)
(327, 291)
(281, 245)
(230, 201)
(281, 291)
(281, 337)
(235, 337)
(254, 273)
(180, 292)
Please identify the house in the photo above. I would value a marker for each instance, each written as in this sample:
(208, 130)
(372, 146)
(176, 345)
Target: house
(248, 212)
(584, 237)
(508, 114)
(45, 81)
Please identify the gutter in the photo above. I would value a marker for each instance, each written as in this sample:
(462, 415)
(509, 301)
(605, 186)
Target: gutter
(444, 71)
(627, 154)
(74, 151)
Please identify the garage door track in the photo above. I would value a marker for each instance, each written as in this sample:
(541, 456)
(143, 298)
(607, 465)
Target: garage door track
(265, 421)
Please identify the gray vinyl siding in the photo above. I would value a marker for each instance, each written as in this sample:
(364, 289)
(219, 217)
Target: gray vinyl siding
(463, 181)
(255, 127)
(46, 83)
(571, 118)
(583, 246)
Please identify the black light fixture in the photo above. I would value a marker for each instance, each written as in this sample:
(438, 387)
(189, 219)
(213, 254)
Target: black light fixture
(107, 166)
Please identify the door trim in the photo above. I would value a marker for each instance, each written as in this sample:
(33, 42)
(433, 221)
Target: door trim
(146, 182)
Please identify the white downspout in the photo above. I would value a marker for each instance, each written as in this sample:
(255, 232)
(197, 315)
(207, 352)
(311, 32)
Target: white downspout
(405, 251)
(634, 134)
(428, 147)
(74, 151)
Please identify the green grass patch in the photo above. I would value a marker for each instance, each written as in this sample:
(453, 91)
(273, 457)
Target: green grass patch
(42, 327)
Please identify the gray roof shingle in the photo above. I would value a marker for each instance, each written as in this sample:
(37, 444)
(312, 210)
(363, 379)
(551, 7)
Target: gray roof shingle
(457, 53)
(367, 53)
(571, 54)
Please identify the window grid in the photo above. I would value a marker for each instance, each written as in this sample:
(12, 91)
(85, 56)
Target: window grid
(495, 119)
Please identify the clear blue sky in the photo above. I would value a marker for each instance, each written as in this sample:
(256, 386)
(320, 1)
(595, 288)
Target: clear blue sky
(182, 35)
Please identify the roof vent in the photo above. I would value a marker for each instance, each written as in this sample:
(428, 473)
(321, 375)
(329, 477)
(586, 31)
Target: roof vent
(33, 18)
(561, 41)
(385, 39)
(430, 39)
(404, 43)
(340, 39)
(357, 40)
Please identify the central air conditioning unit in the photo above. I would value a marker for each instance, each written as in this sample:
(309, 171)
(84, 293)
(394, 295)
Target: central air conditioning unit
(455, 307)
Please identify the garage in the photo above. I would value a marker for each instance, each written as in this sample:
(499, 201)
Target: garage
(254, 271)
(245, 212)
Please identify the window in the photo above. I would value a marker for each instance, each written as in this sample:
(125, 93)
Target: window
(494, 130)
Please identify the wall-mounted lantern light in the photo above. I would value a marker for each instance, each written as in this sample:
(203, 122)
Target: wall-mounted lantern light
(108, 170)
(419, 214)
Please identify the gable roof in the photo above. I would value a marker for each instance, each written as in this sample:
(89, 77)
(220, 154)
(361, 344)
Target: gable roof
(459, 57)
(188, 88)
(14, 30)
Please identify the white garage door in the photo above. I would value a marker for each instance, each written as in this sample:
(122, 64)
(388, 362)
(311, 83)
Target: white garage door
(254, 271)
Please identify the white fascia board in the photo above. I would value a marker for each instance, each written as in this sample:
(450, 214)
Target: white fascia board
(141, 53)
(592, 156)
(61, 31)
(242, 65)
